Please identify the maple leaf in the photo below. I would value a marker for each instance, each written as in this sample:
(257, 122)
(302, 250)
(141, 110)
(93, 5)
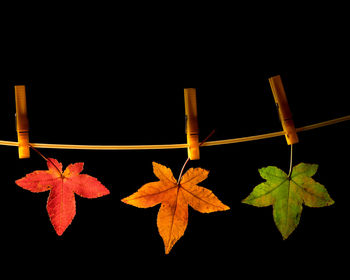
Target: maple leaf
(62, 186)
(287, 194)
(174, 198)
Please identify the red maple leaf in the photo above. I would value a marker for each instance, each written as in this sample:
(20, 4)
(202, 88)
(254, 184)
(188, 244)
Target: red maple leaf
(62, 186)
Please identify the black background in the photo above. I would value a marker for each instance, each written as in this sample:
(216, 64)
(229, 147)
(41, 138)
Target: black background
(93, 78)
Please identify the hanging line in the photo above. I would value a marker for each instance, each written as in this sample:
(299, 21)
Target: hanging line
(177, 146)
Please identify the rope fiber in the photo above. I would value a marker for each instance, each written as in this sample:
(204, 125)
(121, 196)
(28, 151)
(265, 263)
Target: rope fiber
(177, 146)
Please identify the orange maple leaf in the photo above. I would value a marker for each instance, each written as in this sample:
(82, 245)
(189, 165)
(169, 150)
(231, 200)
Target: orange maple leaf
(174, 198)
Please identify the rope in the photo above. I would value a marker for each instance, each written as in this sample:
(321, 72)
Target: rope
(177, 146)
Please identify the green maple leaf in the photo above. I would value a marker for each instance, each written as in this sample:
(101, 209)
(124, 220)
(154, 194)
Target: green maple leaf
(288, 194)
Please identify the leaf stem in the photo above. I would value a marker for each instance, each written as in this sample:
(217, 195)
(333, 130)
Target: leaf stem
(206, 138)
(291, 160)
(188, 158)
(182, 170)
(46, 159)
(40, 154)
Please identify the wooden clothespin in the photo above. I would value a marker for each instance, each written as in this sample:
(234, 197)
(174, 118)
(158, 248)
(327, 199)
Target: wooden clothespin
(192, 130)
(22, 123)
(283, 109)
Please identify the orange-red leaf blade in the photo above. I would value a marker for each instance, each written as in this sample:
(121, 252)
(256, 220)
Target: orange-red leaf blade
(194, 176)
(86, 186)
(37, 181)
(163, 173)
(202, 199)
(61, 207)
(149, 195)
(172, 219)
(61, 201)
(73, 169)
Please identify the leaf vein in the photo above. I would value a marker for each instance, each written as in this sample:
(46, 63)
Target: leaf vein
(172, 218)
(270, 191)
(305, 190)
(199, 198)
(151, 194)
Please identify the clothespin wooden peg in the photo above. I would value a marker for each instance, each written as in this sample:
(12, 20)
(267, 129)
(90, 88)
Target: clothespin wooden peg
(283, 109)
(22, 123)
(192, 130)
